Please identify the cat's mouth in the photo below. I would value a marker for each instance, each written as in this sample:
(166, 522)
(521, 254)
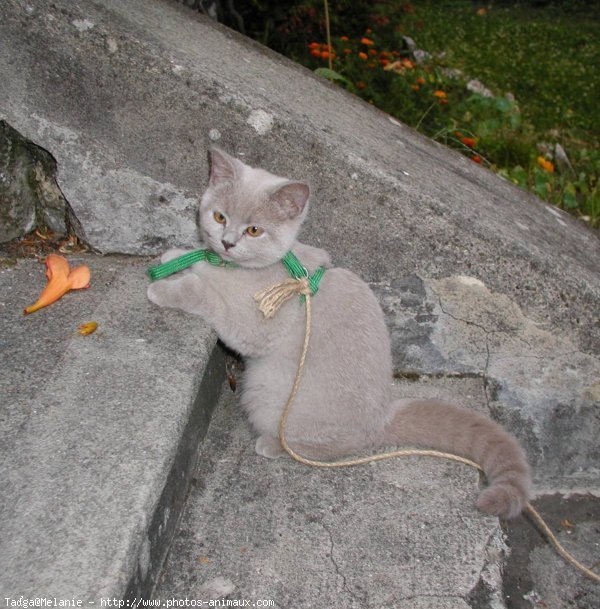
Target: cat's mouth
(225, 255)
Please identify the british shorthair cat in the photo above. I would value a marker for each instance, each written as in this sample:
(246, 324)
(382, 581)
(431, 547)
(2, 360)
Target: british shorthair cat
(251, 218)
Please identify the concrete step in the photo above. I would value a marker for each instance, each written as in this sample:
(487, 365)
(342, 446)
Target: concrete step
(99, 433)
(99, 441)
(402, 533)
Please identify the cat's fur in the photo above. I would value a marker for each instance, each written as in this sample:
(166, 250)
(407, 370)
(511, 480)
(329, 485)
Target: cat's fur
(343, 404)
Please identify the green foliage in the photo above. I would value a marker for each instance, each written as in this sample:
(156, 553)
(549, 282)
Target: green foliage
(546, 58)
(333, 76)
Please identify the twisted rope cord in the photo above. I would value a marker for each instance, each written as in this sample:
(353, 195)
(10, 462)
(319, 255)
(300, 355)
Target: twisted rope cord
(305, 289)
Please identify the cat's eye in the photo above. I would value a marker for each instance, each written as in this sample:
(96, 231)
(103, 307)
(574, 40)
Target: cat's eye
(254, 231)
(219, 217)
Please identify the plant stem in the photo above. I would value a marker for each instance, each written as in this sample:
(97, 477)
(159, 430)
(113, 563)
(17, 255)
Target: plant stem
(424, 115)
(328, 32)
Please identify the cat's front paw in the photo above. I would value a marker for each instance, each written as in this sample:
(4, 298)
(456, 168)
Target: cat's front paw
(158, 293)
(269, 446)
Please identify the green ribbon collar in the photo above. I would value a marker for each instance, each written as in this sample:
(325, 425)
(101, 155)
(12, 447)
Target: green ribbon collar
(292, 265)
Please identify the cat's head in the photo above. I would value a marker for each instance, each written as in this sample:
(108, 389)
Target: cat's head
(250, 216)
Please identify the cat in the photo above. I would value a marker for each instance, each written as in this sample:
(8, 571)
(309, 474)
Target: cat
(251, 217)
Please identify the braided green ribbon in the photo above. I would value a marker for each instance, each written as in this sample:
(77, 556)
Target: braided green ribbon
(293, 266)
(296, 270)
(183, 262)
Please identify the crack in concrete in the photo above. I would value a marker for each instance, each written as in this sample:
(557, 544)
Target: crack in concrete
(338, 570)
(412, 376)
(484, 374)
(414, 597)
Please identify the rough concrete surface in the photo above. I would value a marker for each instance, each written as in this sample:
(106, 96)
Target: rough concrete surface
(403, 533)
(481, 282)
(127, 96)
(536, 577)
(89, 427)
(538, 383)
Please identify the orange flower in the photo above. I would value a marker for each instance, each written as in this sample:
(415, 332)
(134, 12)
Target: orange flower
(60, 281)
(420, 81)
(476, 159)
(443, 102)
(440, 94)
(372, 52)
(363, 56)
(384, 62)
(545, 164)
(366, 41)
(407, 63)
(324, 54)
(315, 52)
(314, 45)
(361, 85)
(395, 66)
(344, 38)
(468, 141)
(415, 87)
(347, 51)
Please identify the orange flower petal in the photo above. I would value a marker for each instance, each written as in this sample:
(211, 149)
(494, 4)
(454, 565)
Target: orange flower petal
(545, 164)
(56, 265)
(80, 278)
(56, 288)
(60, 281)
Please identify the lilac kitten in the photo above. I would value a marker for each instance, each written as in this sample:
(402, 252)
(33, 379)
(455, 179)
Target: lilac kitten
(251, 217)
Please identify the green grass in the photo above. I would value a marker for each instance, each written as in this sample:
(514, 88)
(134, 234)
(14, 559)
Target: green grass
(547, 57)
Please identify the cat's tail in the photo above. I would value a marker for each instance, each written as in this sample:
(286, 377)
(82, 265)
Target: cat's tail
(445, 427)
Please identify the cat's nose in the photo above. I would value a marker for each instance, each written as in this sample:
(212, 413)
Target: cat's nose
(227, 245)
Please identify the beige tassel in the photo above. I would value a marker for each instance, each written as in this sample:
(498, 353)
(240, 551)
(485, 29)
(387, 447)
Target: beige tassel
(270, 299)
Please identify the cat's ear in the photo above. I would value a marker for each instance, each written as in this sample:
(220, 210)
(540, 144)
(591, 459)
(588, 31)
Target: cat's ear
(291, 198)
(222, 167)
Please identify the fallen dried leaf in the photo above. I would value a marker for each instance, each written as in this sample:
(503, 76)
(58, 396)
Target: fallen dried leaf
(87, 328)
(567, 524)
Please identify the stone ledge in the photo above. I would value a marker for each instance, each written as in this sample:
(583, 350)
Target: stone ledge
(99, 432)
